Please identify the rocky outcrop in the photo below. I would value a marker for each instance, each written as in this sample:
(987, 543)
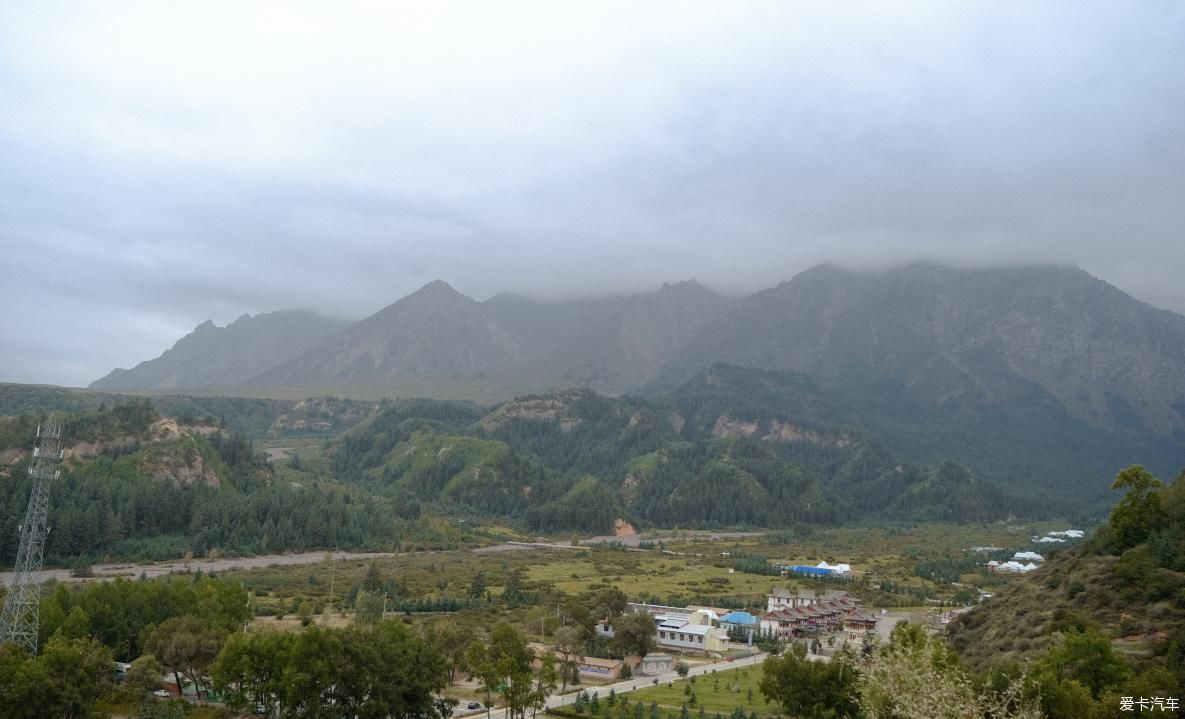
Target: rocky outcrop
(786, 432)
(731, 427)
(556, 406)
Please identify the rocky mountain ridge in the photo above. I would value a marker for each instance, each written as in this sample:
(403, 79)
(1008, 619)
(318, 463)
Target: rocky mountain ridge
(1033, 347)
(213, 356)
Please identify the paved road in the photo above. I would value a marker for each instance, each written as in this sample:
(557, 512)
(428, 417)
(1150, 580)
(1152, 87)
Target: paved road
(622, 687)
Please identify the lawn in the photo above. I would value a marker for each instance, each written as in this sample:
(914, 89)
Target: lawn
(721, 692)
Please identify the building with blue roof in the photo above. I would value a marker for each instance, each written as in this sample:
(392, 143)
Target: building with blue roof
(742, 620)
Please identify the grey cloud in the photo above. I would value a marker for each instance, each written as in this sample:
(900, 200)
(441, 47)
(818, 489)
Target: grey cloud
(161, 170)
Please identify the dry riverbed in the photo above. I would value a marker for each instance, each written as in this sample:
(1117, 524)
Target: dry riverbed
(157, 569)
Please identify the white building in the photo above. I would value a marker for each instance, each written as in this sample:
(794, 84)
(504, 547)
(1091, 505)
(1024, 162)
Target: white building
(681, 631)
(782, 598)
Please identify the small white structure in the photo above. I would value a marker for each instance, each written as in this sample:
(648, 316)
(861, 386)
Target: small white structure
(653, 664)
(1033, 556)
(834, 568)
(1012, 566)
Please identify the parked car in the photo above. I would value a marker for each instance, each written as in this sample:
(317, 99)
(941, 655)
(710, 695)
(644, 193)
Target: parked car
(474, 705)
(161, 693)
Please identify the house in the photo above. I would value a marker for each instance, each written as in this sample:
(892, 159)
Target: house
(790, 622)
(653, 664)
(689, 633)
(603, 668)
(782, 598)
(1028, 555)
(858, 625)
(796, 614)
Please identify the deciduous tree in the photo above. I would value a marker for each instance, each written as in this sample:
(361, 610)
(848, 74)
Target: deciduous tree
(633, 633)
(187, 645)
(810, 689)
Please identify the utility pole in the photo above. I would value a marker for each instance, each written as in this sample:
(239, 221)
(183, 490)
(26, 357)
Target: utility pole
(22, 606)
(332, 577)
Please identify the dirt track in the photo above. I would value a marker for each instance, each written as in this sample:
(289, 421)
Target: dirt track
(125, 569)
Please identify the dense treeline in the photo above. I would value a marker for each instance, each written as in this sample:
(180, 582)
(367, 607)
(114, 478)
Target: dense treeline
(181, 621)
(151, 498)
(577, 465)
(121, 613)
(576, 461)
(381, 671)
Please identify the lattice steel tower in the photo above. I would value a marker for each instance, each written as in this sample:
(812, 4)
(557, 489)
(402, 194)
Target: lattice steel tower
(22, 605)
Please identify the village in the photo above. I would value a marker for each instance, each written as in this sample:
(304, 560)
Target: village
(713, 634)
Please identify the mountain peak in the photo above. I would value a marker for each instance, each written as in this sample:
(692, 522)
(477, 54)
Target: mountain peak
(438, 288)
(685, 287)
(218, 356)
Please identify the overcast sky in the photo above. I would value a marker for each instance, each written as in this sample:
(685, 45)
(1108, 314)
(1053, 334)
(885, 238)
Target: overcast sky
(166, 163)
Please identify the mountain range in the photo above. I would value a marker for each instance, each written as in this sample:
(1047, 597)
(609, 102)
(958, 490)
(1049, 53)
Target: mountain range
(222, 356)
(1031, 371)
(973, 339)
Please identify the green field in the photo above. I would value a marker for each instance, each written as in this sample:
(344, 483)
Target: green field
(722, 692)
(697, 573)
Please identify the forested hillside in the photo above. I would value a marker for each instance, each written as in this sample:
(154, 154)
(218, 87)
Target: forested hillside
(136, 484)
(731, 447)
(734, 447)
(1101, 620)
(1042, 380)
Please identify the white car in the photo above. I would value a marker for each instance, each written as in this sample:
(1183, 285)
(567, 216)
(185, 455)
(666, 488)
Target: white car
(162, 693)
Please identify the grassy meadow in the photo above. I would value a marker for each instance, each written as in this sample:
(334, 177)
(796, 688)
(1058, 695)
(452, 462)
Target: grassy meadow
(678, 568)
(721, 692)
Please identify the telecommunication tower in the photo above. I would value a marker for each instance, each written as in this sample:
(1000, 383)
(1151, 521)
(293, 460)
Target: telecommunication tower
(22, 605)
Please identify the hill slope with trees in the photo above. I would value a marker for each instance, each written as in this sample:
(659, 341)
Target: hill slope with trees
(1101, 620)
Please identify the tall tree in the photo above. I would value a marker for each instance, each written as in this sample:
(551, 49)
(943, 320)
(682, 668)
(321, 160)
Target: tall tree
(188, 646)
(544, 683)
(1088, 658)
(368, 608)
(503, 665)
(250, 669)
(62, 682)
(818, 690)
(633, 633)
(610, 603)
(568, 643)
(452, 640)
(1140, 510)
(477, 588)
(144, 675)
(373, 581)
